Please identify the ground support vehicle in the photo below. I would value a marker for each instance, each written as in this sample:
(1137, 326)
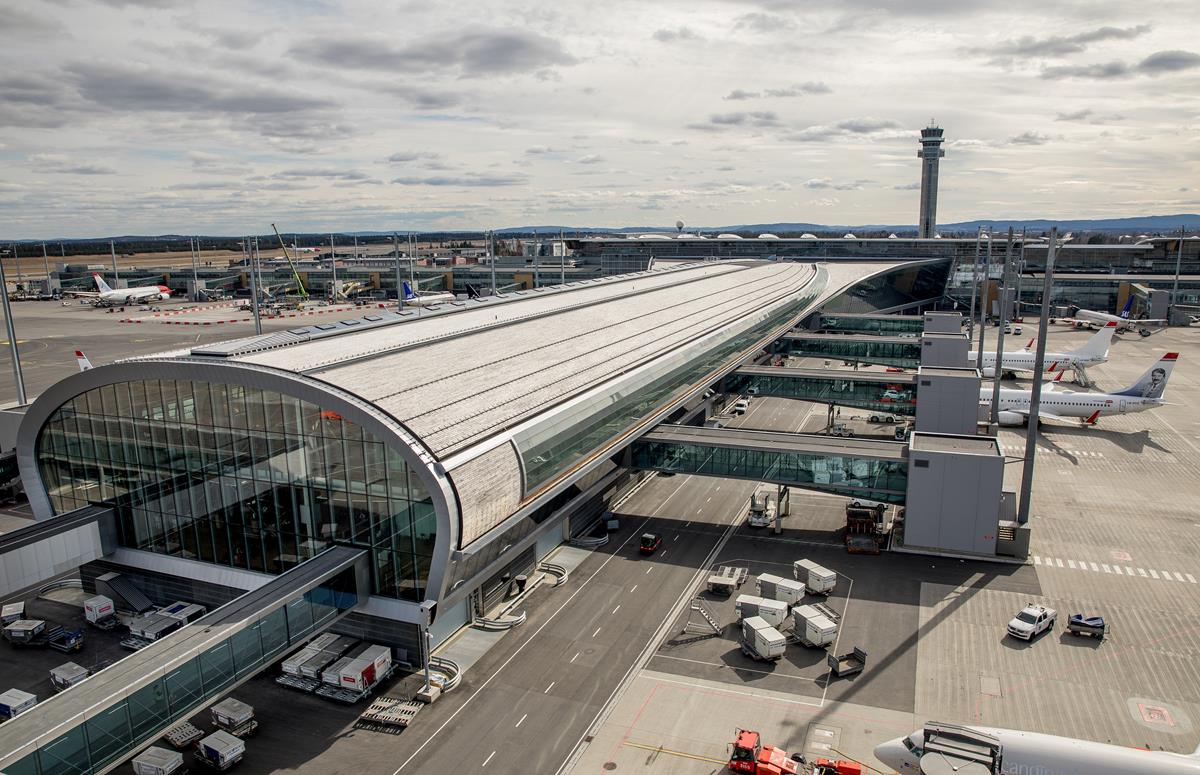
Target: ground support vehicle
(649, 543)
(157, 761)
(234, 717)
(1031, 621)
(67, 675)
(750, 756)
(14, 702)
(852, 662)
(1094, 626)
(100, 612)
(183, 734)
(727, 580)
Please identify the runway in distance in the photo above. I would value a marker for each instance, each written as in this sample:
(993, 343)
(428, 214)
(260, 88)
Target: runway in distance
(1093, 352)
(1033, 753)
(1146, 393)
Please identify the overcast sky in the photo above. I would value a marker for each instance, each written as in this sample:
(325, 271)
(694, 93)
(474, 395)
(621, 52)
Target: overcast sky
(190, 116)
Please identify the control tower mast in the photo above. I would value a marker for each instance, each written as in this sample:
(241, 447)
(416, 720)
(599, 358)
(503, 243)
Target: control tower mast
(931, 151)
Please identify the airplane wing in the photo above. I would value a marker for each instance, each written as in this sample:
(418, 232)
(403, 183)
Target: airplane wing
(84, 294)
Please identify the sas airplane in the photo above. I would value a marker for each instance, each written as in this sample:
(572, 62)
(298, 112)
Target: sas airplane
(1093, 352)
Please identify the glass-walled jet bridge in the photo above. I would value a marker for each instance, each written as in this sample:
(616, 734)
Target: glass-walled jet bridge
(877, 391)
(92, 727)
(900, 351)
(868, 323)
(876, 470)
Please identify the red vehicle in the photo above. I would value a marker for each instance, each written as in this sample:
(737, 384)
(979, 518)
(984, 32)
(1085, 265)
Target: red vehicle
(749, 755)
(650, 543)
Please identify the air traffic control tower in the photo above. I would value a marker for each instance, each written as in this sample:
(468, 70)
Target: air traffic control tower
(931, 151)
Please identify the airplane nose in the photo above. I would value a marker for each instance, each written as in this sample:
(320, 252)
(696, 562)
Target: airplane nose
(893, 754)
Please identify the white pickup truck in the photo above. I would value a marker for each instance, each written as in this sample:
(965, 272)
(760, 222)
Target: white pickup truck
(1031, 621)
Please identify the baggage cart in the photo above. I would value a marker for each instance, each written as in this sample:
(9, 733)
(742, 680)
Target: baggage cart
(220, 750)
(15, 702)
(11, 613)
(67, 675)
(183, 734)
(1092, 626)
(235, 717)
(157, 761)
(847, 664)
(727, 580)
(24, 631)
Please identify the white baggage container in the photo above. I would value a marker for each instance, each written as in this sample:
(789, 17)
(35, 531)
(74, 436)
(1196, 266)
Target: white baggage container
(98, 608)
(760, 640)
(221, 749)
(12, 612)
(154, 626)
(312, 667)
(185, 613)
(332, 675)
(14, 702)
(231, 714)
(292, 664)
(322, 641)
(24, 630)
(157, 761)
(819, 580)
(67, 675)
(779, 588)
(773, 611)
(812, 627)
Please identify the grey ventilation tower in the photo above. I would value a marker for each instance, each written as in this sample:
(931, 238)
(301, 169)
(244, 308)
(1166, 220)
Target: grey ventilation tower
(931, 151)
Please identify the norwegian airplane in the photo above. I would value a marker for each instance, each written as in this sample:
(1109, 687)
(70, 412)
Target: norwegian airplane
(1146, 393)
(108, 297)
(1093, 352)
(1025, 753)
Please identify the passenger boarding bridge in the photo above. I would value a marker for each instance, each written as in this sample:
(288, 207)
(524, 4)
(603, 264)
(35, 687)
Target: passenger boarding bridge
(898, 351)
(876, 391)
(96, 725)
(866, 323)
(875, 470)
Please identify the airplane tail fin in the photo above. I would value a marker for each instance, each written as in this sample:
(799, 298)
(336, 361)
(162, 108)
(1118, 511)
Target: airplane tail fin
(1152, 384)
(1097, 346)
(472, 291)
(408, 291)
(82, 360)
(103, 286)
(1128, 307)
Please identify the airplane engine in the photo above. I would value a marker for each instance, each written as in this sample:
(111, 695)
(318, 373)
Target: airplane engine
(164, 296)
(1010, 418)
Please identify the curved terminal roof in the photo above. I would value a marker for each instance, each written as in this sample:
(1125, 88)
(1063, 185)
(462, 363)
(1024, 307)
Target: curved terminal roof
(492, 387)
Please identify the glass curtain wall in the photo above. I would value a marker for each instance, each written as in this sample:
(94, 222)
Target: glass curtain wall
(239, 476)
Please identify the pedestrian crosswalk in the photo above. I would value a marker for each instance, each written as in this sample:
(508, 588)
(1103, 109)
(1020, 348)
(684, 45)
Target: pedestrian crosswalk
(1115, 569)
(1009, 449)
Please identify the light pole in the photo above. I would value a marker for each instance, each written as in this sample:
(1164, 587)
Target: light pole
(12, 336)
(974, 287)
(1175, 282)
(399, 282)
(253, 286)
(1035, 398)
(999, 362)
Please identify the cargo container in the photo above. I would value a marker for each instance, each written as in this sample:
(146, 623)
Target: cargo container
(234, 716)
(761, 641)
(98, 609)
(186, 613)
(818, 580)
(291, 665)
(220, 750)
(312, 667)
(321, 641)
(14, 702)
(24, 631)
(153, 626)
(365, 670)
(778, 588)
(157, 761)
(67, 675)
(11, 613)
(332, 675)
(773, 611)
(812, 627)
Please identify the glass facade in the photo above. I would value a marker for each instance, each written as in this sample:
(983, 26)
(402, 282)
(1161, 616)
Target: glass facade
(112, 733)
(884, 325)
(239, 476)
(845, 474)
(885, 352)
(897, 397)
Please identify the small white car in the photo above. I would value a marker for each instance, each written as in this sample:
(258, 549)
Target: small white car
(1017, 330)
(1031, 621)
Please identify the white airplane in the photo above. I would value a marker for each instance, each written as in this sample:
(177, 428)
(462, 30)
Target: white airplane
(1087, 318)
(304, 250)
(424, 299)
(1094, 351)
(1024, 753)
(108, 297)
(1146, 393)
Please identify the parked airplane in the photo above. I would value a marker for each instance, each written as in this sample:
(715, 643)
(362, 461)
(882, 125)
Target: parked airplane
(108, 297)
(1146, 393)
(424, 299)
(1094, 351)
(1087, 318)
(1033, 752)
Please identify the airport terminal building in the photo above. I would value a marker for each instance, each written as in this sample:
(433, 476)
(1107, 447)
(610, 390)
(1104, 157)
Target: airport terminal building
(448, 443)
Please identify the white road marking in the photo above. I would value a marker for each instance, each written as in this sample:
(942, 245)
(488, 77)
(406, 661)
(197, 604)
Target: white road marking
(1037, 560)
(1060, 562)
(1117, 568)
(700, 510)
(1120, 570)
(663, 553)
(1190, 577)
(731, 667)
(1095, 567)
(1179, 576)
(485, 761)
(634, 589)
(709, 499)
(1106, 568)
(618, 608)
(597, 632)
(649, 569)
(551, 686)
(526, 715)
(1141, 572)
(1070, 564)
(676, 538)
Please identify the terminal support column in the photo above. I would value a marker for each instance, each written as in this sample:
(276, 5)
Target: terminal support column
(1035, 399)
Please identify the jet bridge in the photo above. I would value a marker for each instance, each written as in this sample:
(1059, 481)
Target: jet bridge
(871, 323)
(93, 727)
(899, 351)
(876, 470)
(877, 391)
